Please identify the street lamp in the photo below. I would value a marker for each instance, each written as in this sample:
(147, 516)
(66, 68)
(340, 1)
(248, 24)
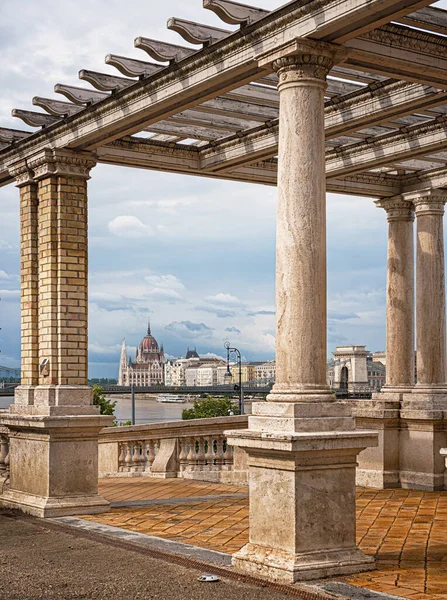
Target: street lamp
(234, 352)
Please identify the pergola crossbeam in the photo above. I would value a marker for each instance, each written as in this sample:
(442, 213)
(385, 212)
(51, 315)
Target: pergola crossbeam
(104, 82)
(196, 33)
(34, 119)
(235, 13)
(430, 18)
(80, 95)
(9, 136)
(162, 51)
(129, 67)
(57, 108)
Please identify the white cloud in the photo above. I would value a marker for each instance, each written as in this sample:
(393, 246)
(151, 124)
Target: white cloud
(168, 282)
(163, 294)
(4, 275)
(223, 300)
(128, 226)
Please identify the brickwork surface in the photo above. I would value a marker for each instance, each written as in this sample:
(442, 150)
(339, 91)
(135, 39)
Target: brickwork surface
(405, 530)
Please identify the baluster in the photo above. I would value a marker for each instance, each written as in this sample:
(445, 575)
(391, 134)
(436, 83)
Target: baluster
(228, 456)
(121, 457)
(200, 456)
(209, 454)
(219, 452)
(150, 454)
(191, 458)
(183, 454)
(128, 457)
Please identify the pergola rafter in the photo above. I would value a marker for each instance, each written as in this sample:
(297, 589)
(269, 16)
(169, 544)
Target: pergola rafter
(391, 79)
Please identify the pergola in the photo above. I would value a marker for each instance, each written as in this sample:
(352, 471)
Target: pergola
(348, 96)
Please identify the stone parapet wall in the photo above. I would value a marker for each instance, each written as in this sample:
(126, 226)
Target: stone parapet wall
(195, 449)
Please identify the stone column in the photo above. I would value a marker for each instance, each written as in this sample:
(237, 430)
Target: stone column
(380, 467)
(424, 430)
(54, 435)
(301, 444)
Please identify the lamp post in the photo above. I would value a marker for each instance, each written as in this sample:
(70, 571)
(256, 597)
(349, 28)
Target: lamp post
(234, 352)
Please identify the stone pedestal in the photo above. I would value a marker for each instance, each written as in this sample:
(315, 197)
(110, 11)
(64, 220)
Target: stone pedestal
(302, 491)
(54, 464)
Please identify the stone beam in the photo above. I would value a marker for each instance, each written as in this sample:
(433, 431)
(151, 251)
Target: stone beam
(401, 53)
(418, 140)
(436, 179)
(146, 154)
(232, 62)
(360, 111)
(430, 18)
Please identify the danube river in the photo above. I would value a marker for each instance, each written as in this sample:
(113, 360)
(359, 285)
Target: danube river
(147, 410)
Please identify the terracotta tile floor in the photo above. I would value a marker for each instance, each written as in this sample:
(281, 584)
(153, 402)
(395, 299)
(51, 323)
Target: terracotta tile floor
(405, 530)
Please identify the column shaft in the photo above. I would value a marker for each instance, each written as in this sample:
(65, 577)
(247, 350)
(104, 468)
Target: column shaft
(400, 295)
(301, 231)
(430, 292)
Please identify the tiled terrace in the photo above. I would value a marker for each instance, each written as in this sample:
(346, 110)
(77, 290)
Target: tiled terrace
(405, 530)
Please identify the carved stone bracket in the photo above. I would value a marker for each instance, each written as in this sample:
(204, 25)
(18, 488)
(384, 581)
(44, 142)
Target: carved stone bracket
(397, 208)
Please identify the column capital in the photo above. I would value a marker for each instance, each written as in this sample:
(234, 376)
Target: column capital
(397, 208)
(61, 162)
(21, 172)
(304, 59)
(428, 202)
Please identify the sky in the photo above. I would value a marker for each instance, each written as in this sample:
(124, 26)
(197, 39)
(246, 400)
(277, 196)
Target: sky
(196, 256)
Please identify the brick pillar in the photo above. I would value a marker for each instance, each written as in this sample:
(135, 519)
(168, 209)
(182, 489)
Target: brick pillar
(63, 281)
(24, 394)
(53, 424)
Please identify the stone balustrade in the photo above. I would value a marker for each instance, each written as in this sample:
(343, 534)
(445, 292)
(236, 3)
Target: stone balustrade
(195, 449)
(4, 454)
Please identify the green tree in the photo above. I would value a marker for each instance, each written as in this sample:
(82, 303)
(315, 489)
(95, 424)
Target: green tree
(210, 407)
(107, 407)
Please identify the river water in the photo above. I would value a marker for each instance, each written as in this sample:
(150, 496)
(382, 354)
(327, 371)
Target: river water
(147, 410)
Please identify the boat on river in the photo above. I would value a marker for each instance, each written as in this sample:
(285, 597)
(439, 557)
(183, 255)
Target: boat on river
(172, 398)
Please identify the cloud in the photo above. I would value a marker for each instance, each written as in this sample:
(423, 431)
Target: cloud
(165, 281)
(233, 330)
(341, 316)
(187, 329)
(4, 275)
(163, 294)
(261, 312)
(219, 312)
(128, 226)
(9, 294)
(223, 300)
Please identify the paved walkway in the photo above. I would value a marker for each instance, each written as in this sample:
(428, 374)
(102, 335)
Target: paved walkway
(405, 530)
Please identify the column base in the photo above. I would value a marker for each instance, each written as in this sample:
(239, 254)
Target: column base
(283, 567)
(423, 434)
(302, 503)
(54, 464)
(378, 467)
(46, 507)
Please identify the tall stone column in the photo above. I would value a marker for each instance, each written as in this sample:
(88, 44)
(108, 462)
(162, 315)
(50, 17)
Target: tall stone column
(380, 467)
(424, 412)
(54, 429)
(301, 444)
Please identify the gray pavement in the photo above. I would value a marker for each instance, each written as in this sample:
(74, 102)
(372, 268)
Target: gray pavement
(44, 560)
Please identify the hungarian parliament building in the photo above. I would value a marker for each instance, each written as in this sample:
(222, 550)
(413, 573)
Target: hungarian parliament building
(353, 369)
